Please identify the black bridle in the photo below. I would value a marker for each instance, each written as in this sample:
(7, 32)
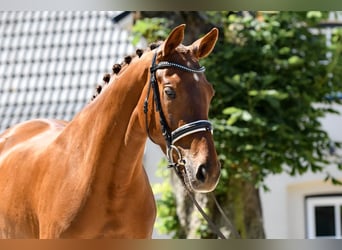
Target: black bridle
(171, 137)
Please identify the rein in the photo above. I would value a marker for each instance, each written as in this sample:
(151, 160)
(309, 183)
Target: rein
(173, 136)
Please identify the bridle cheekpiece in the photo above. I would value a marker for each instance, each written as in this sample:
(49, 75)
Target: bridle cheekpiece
(171, 137)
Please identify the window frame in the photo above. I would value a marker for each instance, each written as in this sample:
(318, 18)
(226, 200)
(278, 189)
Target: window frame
(311, 202)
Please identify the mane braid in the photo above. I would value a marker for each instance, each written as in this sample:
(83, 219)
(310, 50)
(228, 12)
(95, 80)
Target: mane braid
(118, 68)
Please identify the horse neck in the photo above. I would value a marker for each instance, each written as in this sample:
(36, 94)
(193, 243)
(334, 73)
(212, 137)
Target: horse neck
(106, 135)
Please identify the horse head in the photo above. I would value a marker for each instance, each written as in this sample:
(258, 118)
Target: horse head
(182, 96)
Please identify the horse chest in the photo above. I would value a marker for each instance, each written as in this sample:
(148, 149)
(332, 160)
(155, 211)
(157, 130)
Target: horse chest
(129, 214)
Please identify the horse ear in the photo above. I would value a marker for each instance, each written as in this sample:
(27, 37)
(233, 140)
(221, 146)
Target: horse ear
(174, 39)
(203, 46)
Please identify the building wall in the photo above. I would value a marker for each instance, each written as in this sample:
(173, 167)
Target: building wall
(283, 207)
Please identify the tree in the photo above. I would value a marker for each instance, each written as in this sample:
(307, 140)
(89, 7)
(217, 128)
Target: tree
(270, 71)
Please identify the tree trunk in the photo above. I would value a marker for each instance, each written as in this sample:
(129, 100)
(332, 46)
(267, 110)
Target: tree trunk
(241, 204)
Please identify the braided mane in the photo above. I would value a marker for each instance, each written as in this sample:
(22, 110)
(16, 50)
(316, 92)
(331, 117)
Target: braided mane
(120, 67)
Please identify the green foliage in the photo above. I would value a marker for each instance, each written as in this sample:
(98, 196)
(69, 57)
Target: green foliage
(150, 29)
(276, 67)
(167, 219)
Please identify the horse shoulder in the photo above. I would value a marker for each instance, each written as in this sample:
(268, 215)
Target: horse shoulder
(20, 170)
(25, 131)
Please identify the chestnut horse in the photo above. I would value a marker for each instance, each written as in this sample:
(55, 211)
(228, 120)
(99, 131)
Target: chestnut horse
(85, 178)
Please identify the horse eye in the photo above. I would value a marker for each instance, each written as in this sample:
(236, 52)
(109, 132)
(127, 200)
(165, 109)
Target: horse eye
(170, 93)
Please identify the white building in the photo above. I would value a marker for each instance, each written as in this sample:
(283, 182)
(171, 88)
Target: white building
(305, 206)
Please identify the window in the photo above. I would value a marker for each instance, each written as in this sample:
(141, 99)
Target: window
(324, 217)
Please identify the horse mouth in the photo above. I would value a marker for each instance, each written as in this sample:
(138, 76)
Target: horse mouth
(190, 182)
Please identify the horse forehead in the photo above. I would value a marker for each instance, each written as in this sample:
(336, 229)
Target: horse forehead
(194, 82)
(183, 55)
(183, 79)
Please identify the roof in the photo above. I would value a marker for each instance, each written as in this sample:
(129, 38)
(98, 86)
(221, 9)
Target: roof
(50, 62)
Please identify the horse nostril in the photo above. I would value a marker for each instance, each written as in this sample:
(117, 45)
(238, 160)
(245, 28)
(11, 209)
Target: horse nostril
(201, 173)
